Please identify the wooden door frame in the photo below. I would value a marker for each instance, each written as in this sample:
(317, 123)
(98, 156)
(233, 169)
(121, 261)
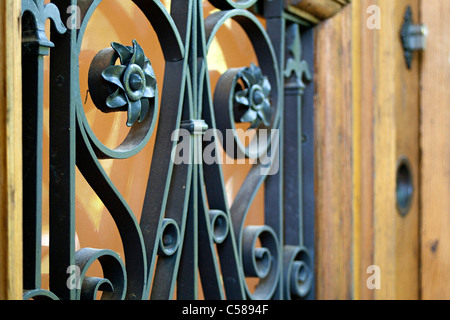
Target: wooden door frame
(10, 151)
(391, 111)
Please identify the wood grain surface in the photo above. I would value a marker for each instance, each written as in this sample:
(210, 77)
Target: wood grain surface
(435, 147)
(10, 151)
(367, 117)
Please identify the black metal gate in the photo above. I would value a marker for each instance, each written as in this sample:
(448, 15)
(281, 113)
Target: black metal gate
(187, 228)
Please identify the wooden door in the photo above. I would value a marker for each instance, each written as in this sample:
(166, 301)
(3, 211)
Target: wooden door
(367, 112)
(435, 157)
(372, 112)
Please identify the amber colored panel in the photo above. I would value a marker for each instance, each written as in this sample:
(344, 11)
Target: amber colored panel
(122, 21)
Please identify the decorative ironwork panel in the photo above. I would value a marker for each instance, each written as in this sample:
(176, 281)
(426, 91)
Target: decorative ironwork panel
(188, 232)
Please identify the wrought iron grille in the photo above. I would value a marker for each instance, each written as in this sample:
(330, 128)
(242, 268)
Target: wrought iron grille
(187, 231)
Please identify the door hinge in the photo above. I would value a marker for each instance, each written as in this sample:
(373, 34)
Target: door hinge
(414, 37)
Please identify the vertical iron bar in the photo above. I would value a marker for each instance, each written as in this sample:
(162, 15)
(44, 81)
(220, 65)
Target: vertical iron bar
(293, 164)
(208, 266)
(273, 188)
(177, 209)
(32, 130)
(156, 194)
(63, 69)
(308, 154)
(296, 72)
(211, 180)
(187, 276)
(294, 89)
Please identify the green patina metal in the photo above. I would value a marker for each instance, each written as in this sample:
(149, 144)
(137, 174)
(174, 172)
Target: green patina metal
(187, 229)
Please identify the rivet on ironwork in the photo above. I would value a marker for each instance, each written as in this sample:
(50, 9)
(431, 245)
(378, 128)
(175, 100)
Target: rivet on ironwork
(60, 81)
(170, 238)
(219, 225)
(195, 127)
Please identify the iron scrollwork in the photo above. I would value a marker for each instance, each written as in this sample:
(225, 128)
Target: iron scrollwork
(187, 228)
(255, 96)
(133, 82)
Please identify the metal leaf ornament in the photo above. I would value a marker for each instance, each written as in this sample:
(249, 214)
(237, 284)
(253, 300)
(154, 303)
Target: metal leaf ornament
(255, 96)
(135, 81)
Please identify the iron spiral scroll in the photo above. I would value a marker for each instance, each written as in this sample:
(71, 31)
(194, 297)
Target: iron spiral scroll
(187, 228)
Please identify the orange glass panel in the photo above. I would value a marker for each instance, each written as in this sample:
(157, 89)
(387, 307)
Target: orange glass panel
(122, 21)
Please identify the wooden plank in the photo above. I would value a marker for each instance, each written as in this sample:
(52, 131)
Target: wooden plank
(333, 140)
(396, 133)
(10, 152)
(435, 144)
(388, 127)
(303, 14)
(363, 156)
(357, 156)
(321, 9)
(315, 10)
(367, 116)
